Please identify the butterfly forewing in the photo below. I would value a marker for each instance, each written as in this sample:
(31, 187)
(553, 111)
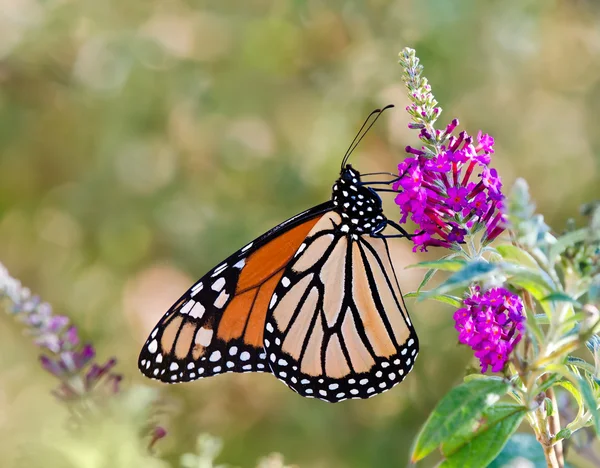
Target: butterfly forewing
(338, 326)
(217, 326)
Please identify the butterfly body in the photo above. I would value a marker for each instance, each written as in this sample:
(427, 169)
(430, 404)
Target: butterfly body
(314, 301)
(360, 206)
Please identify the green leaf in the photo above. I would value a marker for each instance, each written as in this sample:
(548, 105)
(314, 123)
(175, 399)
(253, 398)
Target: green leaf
(531, 282)
(582, 365)
(566, 241)
(445, 298)
(567, 385)
(482, 444)
(458, 409)
(591, 402)
(426, 278)
(514, 254)
(488, 418)
(444, 264)
(472, 272)
(559, 297)
(553, 379)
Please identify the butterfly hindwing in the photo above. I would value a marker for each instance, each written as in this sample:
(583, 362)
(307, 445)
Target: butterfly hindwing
(217, 326)
(338, 326)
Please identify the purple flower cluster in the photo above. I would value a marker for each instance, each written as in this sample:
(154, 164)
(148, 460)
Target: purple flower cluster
(439, 195)
(64, 355)
(491, 323)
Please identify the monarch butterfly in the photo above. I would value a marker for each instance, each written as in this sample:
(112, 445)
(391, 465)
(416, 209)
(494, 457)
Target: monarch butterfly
(314, 301)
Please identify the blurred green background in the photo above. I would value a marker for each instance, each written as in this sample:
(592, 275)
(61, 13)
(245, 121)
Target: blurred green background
(142, 141)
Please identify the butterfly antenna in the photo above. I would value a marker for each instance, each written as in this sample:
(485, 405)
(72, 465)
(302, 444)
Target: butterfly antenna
(377, 113)
(347, 153)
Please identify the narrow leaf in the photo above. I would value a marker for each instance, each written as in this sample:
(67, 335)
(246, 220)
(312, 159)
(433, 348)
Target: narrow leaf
(531, 283)
(445, 264)
(566, 241)
(593, 344)
(573, 391)
(514, 254)
(445, 298)
(458, 408)
(559, 297)
(487, 441)
(591, 402)
(472, 272)
(426, 278)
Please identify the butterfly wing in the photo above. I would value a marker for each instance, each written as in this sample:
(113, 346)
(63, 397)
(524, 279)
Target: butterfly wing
(217, 326)
(338, 326)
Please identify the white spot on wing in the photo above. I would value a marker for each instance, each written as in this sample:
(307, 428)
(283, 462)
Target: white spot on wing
(187, 307)
(247, 247)
(240, 264)
(300, 250)
(153, 346)
(197, 310)
(215, 356)
(203, 336)
(219, 270)
(218, 285)
(245, 356)
(222, 299)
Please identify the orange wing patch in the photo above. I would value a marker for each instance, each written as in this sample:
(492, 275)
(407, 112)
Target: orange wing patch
(273, 257)
(246, 314)
(235, 316)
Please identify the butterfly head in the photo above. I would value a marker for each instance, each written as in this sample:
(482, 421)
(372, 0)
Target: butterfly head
(359, 205)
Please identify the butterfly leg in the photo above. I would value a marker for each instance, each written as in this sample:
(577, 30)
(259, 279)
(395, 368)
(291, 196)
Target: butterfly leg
(397, 227)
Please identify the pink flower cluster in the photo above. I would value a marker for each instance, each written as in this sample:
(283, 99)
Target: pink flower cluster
(491, 323)
(440, 197)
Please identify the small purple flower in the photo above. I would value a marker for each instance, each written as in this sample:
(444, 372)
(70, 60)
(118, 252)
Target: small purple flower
(485, 142)
(64, 356)
(437, 192)
(490, 323)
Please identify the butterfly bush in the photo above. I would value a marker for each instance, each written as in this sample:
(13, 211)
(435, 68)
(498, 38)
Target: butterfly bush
(491, 323)
(447, 187)
(453, 193)
(525, 298)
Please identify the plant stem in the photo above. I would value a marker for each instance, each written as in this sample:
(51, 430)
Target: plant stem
(554, 425)
(550, 455)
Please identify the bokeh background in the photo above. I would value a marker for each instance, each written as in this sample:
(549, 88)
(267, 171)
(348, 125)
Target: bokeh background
(142, 141)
